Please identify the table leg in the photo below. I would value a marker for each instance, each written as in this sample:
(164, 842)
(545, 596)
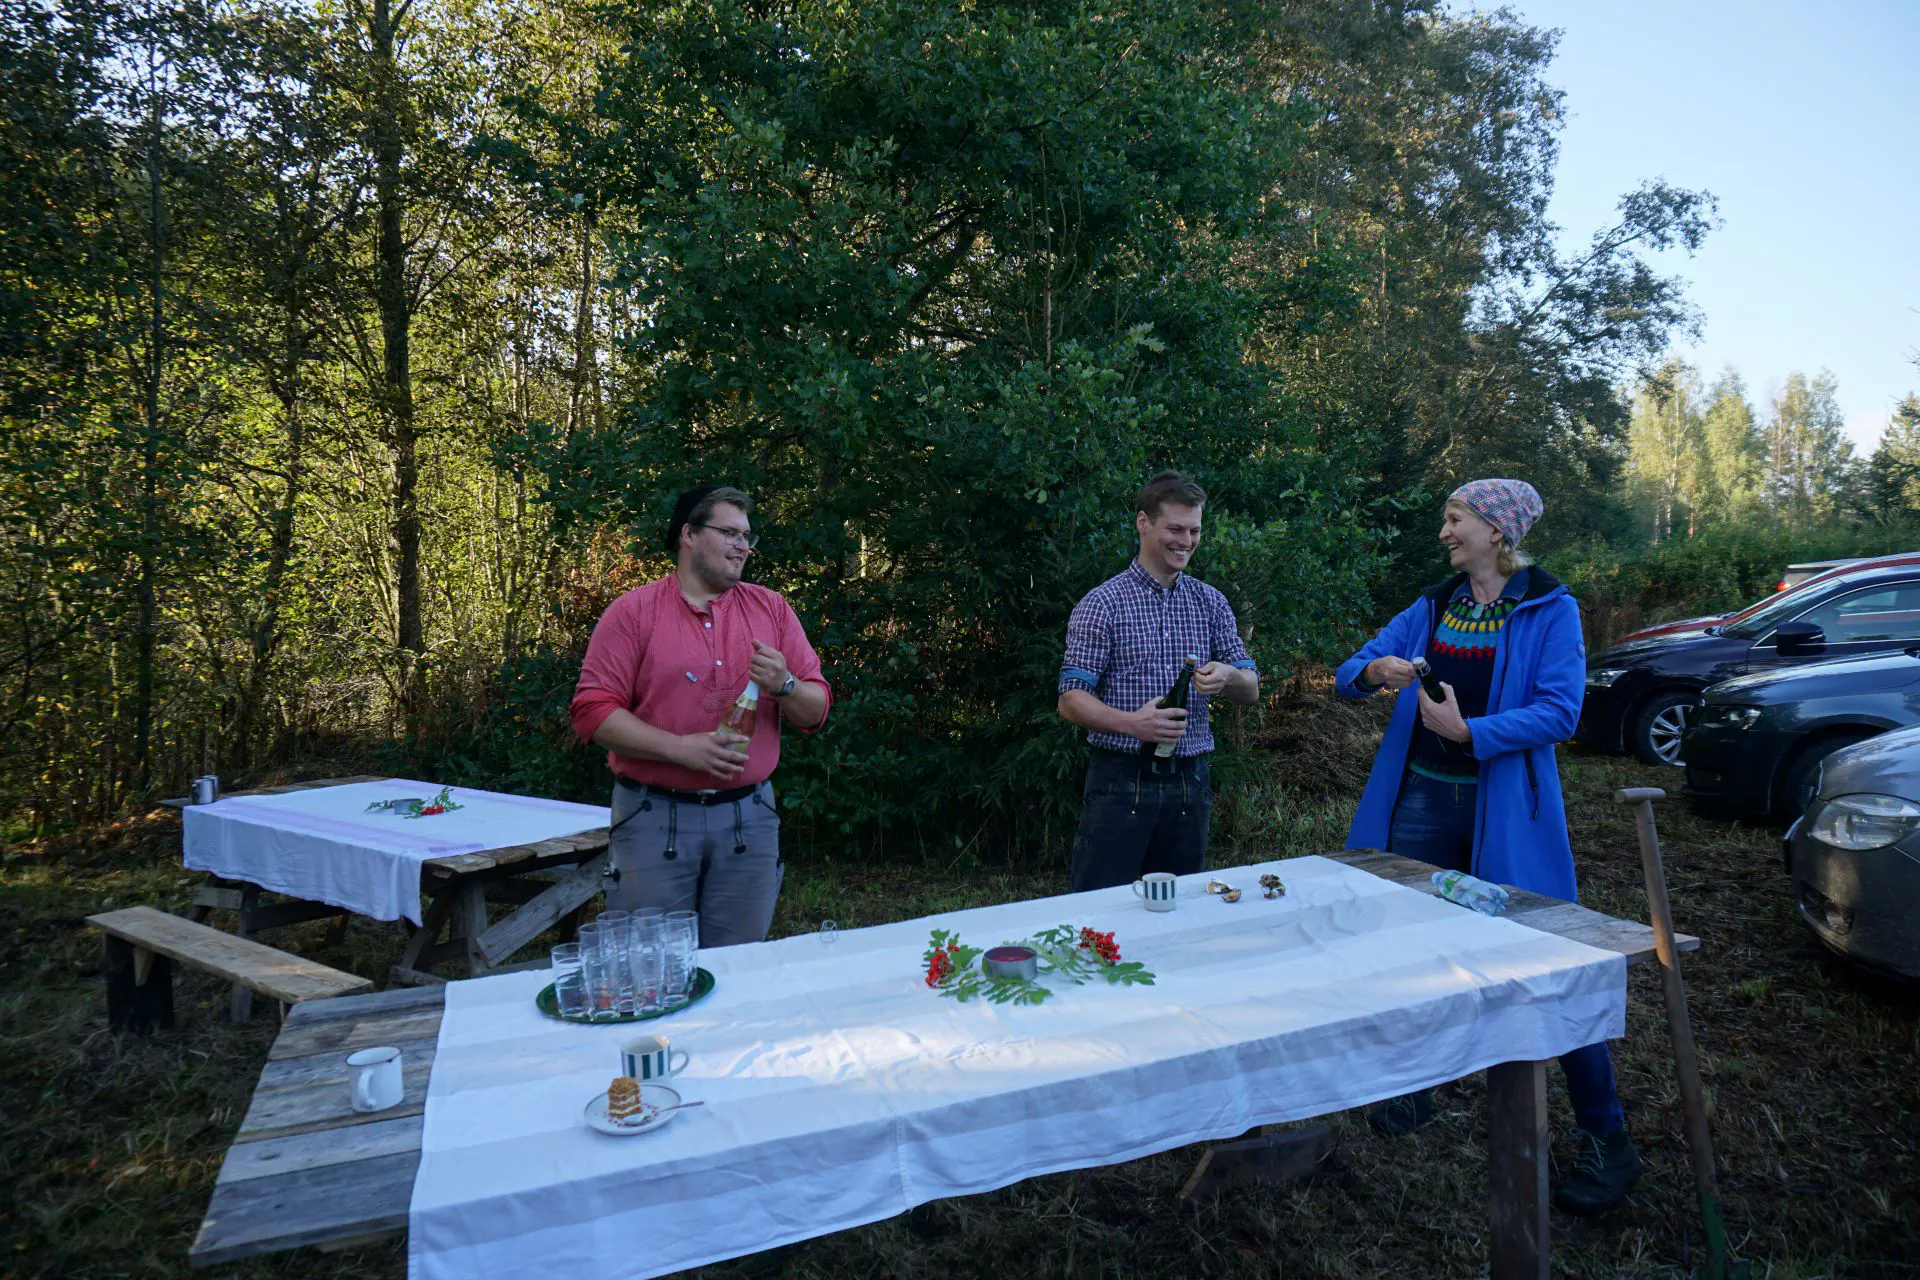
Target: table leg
(1517, 1150)
(470, 923)
(416, 962)
(240, 1007)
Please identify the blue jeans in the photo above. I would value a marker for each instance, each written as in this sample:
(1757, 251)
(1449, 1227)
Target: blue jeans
(1433, 822)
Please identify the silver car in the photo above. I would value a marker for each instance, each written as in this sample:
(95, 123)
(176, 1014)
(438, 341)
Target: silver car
(1854, 855)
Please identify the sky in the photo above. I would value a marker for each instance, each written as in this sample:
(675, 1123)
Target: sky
(1804, 120)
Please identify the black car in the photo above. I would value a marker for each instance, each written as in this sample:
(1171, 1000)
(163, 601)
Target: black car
(1641, 693)
(1855, 854)
(1756, 746)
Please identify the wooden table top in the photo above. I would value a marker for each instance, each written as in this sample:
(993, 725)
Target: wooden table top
(305, 1169)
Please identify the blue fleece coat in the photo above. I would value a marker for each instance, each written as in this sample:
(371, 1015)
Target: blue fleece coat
(1539, 679)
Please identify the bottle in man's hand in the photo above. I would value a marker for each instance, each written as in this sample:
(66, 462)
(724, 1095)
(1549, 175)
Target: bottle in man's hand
(1176, 697)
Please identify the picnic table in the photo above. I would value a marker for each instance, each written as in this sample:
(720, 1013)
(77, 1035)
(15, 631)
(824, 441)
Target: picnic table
(543, 880)
(304, 1170)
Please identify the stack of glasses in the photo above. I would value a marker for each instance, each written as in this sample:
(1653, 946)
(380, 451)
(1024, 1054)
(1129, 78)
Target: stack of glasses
(627, 963)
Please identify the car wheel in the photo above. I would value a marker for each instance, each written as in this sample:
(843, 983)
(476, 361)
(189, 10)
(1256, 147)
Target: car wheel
(1659, 724)
(1803, 771)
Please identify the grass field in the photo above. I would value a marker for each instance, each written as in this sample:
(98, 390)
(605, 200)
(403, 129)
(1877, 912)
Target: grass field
(112, 1143)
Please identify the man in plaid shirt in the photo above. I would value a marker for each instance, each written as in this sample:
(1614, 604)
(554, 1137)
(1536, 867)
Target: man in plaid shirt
(1126, 642)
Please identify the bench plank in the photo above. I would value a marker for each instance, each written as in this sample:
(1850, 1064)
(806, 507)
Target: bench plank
(286, 977)
(1536, 911)
(388, 1135)
(314, 1205)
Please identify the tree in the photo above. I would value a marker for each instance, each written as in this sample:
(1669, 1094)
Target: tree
(942, 286)
(1423, 302)
(1731, 474)
(1893, 474)
(1666, 447)
(1807, 452)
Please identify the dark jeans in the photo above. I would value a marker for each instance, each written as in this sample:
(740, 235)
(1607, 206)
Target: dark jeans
(1433, 822)
(1136, 818)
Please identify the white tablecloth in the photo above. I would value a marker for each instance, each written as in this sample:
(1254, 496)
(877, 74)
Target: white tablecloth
(322, 845)
(839, 1090)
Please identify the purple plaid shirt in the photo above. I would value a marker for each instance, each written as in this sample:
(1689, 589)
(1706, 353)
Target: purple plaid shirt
(1127, 638)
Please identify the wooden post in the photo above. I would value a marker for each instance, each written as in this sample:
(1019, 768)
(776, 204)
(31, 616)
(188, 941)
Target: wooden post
(1517, 1170)
(139, 987)
(1686, 1063)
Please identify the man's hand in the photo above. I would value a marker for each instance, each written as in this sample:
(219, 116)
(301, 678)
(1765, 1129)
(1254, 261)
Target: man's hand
(769, 667)
(720, 754)
(1391, 673)
(1155, 723)
(1444, 717)
(1212, 678)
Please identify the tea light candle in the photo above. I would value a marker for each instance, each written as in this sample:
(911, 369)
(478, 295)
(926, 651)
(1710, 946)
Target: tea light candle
(1010, 962)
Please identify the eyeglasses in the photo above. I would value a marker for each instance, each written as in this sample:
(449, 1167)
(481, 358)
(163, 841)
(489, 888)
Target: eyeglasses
(741, 536)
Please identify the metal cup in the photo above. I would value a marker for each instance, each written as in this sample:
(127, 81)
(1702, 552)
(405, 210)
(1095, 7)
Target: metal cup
(206, 789)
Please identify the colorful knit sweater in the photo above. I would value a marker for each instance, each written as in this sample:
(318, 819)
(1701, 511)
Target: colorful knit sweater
(1461, 654)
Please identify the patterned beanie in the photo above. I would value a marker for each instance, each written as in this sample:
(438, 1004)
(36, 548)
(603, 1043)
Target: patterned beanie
(1511, 506)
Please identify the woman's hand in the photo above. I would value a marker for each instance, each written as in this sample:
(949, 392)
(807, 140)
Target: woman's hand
(1444, 717)
(1389, 673)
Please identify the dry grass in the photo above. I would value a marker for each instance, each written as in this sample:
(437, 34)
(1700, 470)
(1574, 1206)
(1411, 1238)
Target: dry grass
(112, 1144)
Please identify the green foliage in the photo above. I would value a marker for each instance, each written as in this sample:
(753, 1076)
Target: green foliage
(941, 288)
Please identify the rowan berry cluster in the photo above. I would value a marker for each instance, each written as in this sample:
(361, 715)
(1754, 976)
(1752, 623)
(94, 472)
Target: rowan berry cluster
(1101, 944)
(939, 965)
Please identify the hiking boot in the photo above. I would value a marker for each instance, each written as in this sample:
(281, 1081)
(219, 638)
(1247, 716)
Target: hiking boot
(1398, 1117)
(1605, 1166)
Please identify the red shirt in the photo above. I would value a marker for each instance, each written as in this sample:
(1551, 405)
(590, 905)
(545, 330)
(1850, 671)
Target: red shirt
(679, 669)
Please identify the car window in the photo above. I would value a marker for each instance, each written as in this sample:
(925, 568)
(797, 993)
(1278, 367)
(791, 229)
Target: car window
(1887, 612)
(1759, 619)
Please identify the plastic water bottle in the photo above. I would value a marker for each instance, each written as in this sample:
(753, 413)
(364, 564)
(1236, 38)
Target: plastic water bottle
(1471, 891)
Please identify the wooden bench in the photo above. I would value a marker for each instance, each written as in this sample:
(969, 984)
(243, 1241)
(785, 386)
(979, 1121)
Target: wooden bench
(142, 943)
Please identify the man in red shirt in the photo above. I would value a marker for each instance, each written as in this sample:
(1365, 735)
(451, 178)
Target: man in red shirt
(694, 823)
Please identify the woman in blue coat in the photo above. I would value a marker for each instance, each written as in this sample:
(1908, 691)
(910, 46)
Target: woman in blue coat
(1468, 782)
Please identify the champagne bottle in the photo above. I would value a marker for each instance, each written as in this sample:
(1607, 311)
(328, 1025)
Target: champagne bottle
(742, 714)
(1176, 697)
(1429, 681)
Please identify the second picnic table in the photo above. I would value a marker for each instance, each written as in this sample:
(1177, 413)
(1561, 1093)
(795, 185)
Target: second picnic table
(544, 879)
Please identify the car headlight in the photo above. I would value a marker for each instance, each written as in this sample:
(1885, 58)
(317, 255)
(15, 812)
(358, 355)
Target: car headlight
(1864, 821)
(1603, 677)
(1723, 717)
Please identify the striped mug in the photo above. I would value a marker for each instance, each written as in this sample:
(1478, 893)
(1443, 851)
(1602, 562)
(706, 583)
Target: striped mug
(648, 1058)
(1160, 889)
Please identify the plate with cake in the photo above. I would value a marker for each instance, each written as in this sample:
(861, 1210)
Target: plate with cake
(629, 1107)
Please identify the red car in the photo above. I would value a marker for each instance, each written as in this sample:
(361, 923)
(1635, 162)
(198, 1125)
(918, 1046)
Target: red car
(1795, 580)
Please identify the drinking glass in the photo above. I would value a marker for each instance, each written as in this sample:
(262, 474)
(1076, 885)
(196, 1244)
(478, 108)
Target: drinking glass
(596, 967)
(646, 954)
(682, 947)
(616, 941)
(569, 984)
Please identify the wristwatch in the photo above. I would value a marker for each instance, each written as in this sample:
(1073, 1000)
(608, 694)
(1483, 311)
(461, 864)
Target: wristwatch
(786, 687)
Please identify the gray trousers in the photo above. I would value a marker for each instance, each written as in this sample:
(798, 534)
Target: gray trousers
(721, 860)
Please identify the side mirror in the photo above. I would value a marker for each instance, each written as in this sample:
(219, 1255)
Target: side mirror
(1799, 637)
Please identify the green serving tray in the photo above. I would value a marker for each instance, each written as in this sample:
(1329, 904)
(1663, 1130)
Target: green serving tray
(702, 988)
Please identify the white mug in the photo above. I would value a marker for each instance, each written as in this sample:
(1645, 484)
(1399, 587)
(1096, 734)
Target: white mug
(1158, 888)
(377, 1084)
(651, 1058)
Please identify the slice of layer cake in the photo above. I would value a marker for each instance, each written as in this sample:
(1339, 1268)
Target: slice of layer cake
(624, 1104)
